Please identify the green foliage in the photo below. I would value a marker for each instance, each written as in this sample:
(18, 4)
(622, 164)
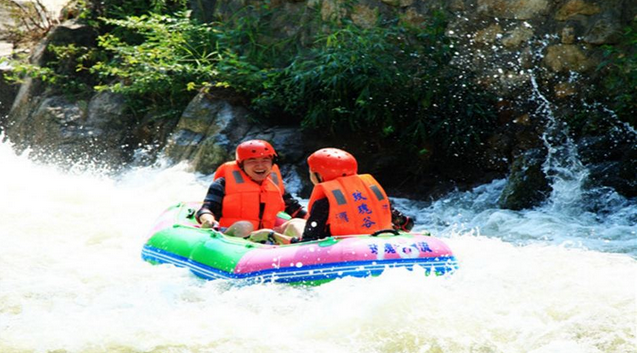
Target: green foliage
(78, 70)
(252, 52)
(66, 70)
(392, 82)
(159, 61)
(248, 49)
(248, 34)
(174, 57)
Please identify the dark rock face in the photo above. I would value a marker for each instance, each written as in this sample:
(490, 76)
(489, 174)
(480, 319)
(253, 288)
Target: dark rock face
(8, 93)
(75, 130)
(612, 161)
(527, 185)
(211, 128)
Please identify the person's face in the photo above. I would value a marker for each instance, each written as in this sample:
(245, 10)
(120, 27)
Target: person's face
(258, 169)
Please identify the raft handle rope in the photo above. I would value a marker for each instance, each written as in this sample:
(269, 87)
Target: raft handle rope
(378, 232)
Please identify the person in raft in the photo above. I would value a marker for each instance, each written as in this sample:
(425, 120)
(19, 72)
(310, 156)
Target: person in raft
(247, 193)
(342, 203)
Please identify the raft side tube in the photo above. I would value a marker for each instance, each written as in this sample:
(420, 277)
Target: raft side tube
(305, 274)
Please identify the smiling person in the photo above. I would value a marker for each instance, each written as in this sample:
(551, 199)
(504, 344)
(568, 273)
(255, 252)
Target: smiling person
(247, 193)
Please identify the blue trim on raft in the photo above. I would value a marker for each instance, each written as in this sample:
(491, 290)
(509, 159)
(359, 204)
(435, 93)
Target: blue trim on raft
(441, 265)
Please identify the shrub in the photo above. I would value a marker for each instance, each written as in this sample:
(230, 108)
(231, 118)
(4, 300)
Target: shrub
(66, 70)
(160, 61)
(392, 82)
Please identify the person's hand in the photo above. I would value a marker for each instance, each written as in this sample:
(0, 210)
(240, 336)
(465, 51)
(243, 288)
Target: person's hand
(208, 221)
(408, 224)
(401, 222)
(262, 236)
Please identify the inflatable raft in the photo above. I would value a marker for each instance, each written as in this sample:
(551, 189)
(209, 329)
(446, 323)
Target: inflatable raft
(177, 239)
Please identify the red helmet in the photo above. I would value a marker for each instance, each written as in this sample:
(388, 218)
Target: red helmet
(332, 163)
(254, 149)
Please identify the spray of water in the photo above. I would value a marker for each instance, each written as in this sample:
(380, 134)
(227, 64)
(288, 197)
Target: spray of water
(574, 215)
(562, 166)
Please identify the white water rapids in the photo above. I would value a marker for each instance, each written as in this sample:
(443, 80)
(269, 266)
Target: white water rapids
(72, 278)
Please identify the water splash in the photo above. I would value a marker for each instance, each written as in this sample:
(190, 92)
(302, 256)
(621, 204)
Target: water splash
(575, 215)
(562, 165)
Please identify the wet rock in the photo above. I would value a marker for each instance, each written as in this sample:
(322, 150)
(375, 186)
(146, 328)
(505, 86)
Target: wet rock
(413, 18)
(611, 161)
(488, 35)
(202, 134)
(619, 175)
(518, 36)
(513, 9)
(509, 81)
(8, 92)
(568, 35)
(210, 128)
(565, 90)
(76, 130)
(364, 16)
(564, 58)
(576, 7)
(73, 32)
(606, 30)
(527, 186)
(332, 10)
(32, 92)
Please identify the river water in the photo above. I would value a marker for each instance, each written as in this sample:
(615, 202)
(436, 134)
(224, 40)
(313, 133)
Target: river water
(551, 279)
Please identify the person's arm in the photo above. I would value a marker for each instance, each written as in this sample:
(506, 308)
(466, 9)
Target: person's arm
(293, 207)
(210, 212)
(401, 221)
(316, 226)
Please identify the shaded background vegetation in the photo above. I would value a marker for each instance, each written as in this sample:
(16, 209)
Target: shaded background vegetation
(392, 86)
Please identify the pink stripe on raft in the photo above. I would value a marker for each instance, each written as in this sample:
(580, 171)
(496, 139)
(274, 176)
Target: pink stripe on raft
(364, 248)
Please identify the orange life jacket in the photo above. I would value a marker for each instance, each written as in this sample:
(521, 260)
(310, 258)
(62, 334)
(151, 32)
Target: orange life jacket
(358, 204)
(275, 174)
(243, 198)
